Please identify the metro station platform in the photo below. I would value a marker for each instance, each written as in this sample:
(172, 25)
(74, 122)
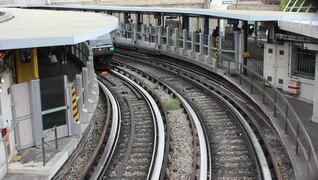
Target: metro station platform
(28, 163)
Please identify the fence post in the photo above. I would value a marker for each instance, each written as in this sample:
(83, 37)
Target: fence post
(87, 101)
(159, 34)
(43, 151)
(168, 38)
(252, 83)
(275, 100)
(177, 37)
(201, 43)
(83, 116)
(36, 109)
(185, 39)
(264, 92)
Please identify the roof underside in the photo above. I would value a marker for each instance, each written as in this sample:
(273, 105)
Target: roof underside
(38, 28)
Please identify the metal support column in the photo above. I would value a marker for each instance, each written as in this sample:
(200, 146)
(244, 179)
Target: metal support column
(245, 27)
(220, 43)
(36, 109)
(185, 22)
(126, 18)
(168, 36)
(236, 48)
(159, 33)
(206, 25)
(185, 37)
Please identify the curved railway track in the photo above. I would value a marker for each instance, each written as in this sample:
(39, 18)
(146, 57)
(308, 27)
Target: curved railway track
(141, 146)
(135, 143)
(232, 155)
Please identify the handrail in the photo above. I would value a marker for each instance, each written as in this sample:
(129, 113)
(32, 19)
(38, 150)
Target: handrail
(43, 138)
(288, 111)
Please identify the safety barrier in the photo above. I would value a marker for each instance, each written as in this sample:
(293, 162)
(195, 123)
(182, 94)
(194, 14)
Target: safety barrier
(282, 110)
(43, 142)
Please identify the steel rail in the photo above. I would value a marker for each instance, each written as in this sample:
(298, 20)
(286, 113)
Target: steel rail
(289, 110)
(205, 153)
(158, 158)
(256, 147)
(113, 137)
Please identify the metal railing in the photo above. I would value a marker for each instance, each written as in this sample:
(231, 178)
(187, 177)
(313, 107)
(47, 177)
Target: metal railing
(281, 109)
(305, 63)
(81, 51)
(54, 129)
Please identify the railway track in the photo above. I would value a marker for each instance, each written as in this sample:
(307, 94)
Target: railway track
(141, 146)
(273, 147)
(232, 155)
(223, 142)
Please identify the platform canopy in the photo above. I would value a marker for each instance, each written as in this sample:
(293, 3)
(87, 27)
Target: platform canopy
(39, 28)
(245, 15)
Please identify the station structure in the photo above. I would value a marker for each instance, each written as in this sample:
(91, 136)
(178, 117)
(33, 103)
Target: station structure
(36, 101)
(275, 53)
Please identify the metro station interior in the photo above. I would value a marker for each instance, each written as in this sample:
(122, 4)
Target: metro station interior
(279, 48)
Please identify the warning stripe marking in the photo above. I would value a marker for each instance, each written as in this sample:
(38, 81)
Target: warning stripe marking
(74, 105)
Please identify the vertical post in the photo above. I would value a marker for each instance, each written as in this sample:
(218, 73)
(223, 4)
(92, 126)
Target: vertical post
(228, 68)
(90, 79)
(240, 75)
(297, 139)
(206, 25)
(252, 83)
(36, 109)
(159, 36)
(168, 36)
(68, 103)
(177, 34)
(209, 45)
(245, 27)
(43, 151)
(264, 92)
(185, 22)
(83, 116)
(192, 41)
(236, 48)
(275, 100)
(55, 132)
(286, 118)
(201, 43)
(309, 153)
(220, 43)
(185, 38)
(85, 84)
(143, 28)
(16, 128)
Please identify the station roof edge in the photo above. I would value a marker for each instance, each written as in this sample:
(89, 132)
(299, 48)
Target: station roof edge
(36, 29)
(245, 15)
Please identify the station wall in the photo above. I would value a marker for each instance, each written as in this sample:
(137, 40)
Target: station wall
(6, 112)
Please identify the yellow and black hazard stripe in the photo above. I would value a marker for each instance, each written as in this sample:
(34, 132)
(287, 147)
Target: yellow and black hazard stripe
(74, 105)
(216, 52)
